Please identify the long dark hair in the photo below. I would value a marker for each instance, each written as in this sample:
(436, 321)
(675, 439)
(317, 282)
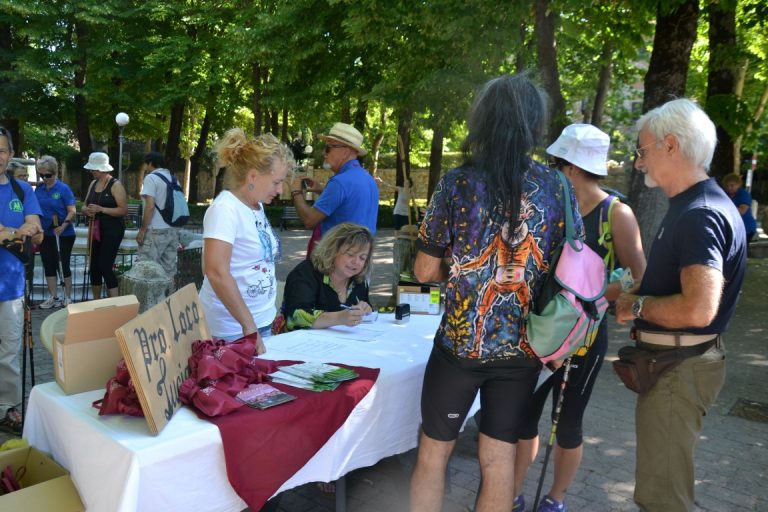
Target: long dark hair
(505, 123)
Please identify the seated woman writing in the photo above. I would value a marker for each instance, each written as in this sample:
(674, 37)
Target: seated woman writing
(331, 288)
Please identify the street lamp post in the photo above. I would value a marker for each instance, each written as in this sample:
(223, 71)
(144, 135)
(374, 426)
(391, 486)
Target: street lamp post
(121, 119)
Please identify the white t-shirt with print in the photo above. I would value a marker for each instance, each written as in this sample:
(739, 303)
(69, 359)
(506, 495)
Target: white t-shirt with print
(254, 251)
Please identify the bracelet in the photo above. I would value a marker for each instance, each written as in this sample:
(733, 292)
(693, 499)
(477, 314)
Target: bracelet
(295, 193)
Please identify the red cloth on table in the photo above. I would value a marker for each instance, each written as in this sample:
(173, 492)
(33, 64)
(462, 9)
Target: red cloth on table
(264, 448)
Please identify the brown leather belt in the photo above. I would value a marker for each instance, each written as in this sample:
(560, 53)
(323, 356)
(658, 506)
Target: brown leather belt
(671, 339)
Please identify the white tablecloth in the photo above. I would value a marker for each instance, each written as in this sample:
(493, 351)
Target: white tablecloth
(117, 465)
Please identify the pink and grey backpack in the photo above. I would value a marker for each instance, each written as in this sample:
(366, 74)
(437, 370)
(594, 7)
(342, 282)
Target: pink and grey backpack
(568, 310)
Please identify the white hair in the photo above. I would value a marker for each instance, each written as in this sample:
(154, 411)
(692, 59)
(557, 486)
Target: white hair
(694, 130)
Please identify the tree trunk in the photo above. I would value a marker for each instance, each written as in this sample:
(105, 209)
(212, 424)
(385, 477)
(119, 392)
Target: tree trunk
(377, 140)
(361, 115)
(546, 50)
(435, 159)
(284, 131)
(665, 80)
(721, 80)
(256, 101)
(603, 83)
(197, 155)
(274, 124)
(403, 161)
(11, 123)
(346, 110)
(82, 122)
(172, 151)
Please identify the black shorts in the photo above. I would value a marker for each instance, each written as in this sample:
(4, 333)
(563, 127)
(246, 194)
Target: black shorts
(450, 389)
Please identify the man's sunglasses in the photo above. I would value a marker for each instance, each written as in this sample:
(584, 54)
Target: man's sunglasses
(46, 176)
(331, 146)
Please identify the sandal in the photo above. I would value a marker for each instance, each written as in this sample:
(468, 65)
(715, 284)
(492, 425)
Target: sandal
(12, 422)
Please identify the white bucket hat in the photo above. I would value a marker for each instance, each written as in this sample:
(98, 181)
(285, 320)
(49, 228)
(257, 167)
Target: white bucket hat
(584, 146)
(347, 135)
(98, 162)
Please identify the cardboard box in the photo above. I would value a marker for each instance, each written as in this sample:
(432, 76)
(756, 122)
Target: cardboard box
(422, 298)
(45, 485)
(86, 353)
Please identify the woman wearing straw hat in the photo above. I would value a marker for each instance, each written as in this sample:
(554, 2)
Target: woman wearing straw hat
(612, 232)
(106, 205)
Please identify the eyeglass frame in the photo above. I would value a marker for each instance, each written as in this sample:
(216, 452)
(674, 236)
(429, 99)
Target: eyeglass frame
(641, 151)
(46, 176)
(329, 147)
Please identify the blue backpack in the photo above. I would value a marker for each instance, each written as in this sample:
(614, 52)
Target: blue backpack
(176, 210)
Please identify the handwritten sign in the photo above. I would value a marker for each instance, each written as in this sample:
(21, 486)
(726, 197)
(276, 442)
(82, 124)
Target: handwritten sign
(156, 346)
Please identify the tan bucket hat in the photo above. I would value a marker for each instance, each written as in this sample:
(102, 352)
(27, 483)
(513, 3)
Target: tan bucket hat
(347, 135)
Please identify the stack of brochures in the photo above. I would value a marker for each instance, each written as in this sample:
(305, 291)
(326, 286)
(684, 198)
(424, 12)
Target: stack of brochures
(263, 396)
(313, 376)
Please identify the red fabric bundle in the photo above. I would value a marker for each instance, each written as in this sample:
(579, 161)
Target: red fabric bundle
(120, 397)
(219, 371)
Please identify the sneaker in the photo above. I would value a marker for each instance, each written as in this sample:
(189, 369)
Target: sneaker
(550, 504)
(52, 302)
(519, 504)
(12, 421)
(66, 302)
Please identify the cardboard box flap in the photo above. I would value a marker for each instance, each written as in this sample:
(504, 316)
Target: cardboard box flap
(97, 319)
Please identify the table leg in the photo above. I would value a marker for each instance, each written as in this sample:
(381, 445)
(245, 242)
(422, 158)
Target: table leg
(341, 494)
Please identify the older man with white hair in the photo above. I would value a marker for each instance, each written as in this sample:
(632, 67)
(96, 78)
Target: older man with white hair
(685, 300)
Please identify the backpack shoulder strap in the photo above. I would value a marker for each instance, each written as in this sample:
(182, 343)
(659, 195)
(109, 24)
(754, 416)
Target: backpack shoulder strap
(159, 175)
(605, 237)
(15, 186)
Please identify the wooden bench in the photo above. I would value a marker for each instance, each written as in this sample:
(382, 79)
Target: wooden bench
(289, 215)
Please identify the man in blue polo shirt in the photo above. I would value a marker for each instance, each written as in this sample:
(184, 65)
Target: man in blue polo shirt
(18, 219)
(351, 195)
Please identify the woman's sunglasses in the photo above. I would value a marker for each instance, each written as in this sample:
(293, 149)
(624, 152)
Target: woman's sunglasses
(46, 176)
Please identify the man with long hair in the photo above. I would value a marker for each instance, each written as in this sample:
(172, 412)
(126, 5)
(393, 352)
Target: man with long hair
(489, 231)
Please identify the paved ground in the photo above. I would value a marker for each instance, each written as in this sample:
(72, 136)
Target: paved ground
(732, 458)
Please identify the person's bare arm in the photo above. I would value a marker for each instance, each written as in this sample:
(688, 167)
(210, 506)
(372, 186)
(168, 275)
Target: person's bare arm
(149, 210)
(429, 268)
(628, 246)
(217, 258)
(695, 306)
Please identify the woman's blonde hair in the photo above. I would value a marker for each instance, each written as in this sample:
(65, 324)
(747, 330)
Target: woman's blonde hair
(340, 238)
(240, 153)
(49, 163)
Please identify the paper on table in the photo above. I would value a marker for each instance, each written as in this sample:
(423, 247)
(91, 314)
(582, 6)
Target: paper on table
(319, 347)
(362, 332)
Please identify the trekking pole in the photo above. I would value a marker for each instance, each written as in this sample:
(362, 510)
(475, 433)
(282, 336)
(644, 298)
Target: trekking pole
(87, 260)
(553, 431)
(27, 346)
(58, 257)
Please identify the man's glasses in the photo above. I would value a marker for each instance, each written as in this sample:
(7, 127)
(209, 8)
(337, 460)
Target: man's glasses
(46, 176)
(642, 151)
(329, 147)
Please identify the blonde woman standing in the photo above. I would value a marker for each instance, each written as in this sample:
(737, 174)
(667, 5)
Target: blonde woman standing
(239, 246)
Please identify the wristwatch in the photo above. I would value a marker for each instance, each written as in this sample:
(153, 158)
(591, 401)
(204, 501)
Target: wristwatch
(637, 306)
